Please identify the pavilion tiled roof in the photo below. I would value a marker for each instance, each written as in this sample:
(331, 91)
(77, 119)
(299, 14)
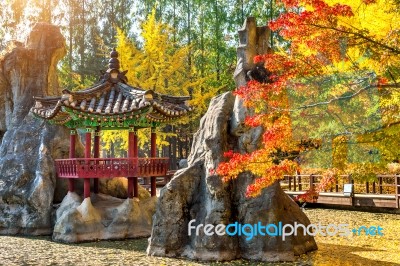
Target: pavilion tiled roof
(111, 98)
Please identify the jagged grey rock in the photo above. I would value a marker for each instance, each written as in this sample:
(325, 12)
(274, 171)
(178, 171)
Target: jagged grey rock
(271, 207)
(194, 193)
(253, 41)
(197, 193)
(183, 163)
(27, 174)
(102, 217)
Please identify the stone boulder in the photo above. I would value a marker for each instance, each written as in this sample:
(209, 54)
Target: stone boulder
(102, 217)
(28, 147)
(183, 163)
(196, 193)
(118, 187)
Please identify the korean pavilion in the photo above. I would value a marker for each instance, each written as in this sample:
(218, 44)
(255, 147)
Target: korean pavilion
(111, 104)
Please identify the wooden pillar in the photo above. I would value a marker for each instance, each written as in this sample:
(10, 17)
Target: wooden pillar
(135, 187)
(397, 190)
(96, 154)
(88, 146)
(351, 181)
(72, 144)
(135, 144)
(311, 182)
(153, 154)
(135, 155)
(300, 184)
(131, 152)
(145, 179)
(294, 183)
(298, 176)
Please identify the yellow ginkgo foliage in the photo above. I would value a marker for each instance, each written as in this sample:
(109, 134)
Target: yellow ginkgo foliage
(377, 22)
(162, 66)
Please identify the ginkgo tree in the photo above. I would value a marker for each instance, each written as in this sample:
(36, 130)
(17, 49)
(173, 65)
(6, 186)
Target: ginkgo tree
(332, 95)
(161, 65)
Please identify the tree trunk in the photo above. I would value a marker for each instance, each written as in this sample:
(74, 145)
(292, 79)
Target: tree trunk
(71, 25)
(217, 37)
(271, 10)
(180, 147)
(186, 146)
(189, 36)
(173, 147)
(112, 150)
(82, 44)
(174, 21)
(202, 45)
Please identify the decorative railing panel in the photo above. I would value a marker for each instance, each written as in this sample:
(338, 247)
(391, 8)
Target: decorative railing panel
(111, 167)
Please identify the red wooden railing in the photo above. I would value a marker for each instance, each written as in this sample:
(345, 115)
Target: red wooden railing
(111, 167)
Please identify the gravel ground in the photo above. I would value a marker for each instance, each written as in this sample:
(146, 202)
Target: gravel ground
(353, 250)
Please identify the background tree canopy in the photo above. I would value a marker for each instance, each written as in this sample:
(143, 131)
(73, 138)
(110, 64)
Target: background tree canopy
(182, 47)
(332, 101)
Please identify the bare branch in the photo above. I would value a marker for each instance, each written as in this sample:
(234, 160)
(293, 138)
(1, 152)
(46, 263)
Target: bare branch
(336, 99)
(369, 39)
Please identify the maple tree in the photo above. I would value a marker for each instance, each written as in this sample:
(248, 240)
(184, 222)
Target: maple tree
(332, 83)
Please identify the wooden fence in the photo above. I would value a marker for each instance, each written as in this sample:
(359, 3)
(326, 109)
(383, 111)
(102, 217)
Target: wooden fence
(384, 192)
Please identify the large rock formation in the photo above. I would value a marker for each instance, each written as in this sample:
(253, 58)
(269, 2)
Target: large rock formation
(103, 217)
(197, 193)
(253, 41)
(27, 175)
(107, 215)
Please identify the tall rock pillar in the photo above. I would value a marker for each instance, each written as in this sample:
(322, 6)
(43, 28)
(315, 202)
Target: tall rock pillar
(28, 147)
(197, 196)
